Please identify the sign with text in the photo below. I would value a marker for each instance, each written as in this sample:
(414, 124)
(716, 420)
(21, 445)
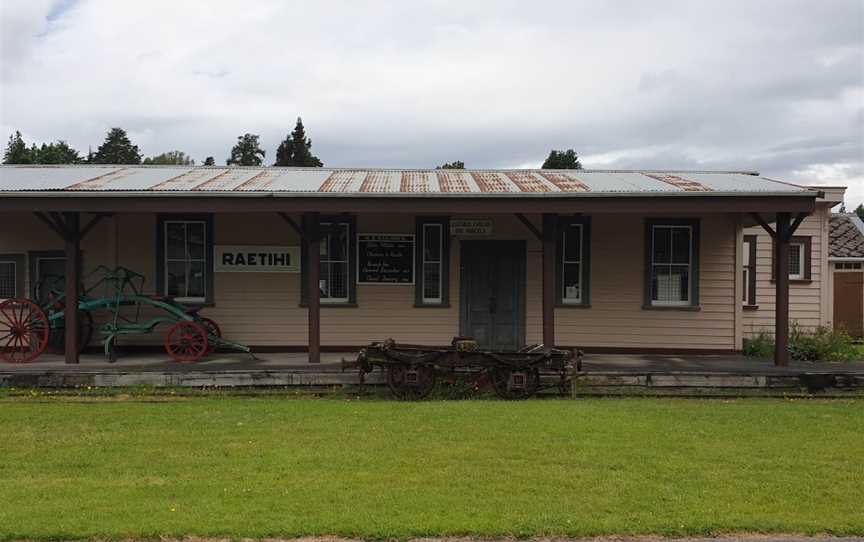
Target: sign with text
(385, 258)
(256, 259)
(471, 227)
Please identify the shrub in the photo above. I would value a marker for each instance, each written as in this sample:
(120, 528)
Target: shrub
(820, 344)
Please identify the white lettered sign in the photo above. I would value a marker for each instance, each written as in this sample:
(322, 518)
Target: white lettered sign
(256, 259)
(471, 227)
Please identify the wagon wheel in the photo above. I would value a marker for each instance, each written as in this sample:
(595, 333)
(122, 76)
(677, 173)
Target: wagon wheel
(57, 335)
(186, 342)
(213, 330)
(411, 383)
(515, 383)
(23, 331)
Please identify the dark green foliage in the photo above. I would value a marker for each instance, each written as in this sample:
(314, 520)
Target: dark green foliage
(296, 149)
(116, 149)
(860, 211)
(562, 160)
(209, 161)
(17, 151)
(60, 152)
(173, 158)
(458, 164)
(821, 344)
(247, 151)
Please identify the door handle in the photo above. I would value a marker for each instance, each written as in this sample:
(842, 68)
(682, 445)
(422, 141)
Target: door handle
(493, 305)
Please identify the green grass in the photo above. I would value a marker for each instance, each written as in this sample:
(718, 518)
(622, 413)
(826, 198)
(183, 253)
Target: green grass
(275, 467)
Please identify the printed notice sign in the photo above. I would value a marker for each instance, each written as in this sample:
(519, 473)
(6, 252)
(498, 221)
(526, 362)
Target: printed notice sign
(256, 259)
(385, 258)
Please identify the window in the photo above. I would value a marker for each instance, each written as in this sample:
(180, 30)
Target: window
(847, 265)
(337, 254)
(433, 260)
(672, 268)
(11, 275)
(334, 254)
(749, 271)
(185, 258)
(573, 261)
(796, 256)
(799, 259)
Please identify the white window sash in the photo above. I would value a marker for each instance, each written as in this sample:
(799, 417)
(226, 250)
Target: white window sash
(800, 274)
(187, 259)
(565, 261)
(14, 265)
(439, 264)
(670, 265)
(330, 261)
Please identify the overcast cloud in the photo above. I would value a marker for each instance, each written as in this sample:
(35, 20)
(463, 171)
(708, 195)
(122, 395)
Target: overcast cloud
(773, 86)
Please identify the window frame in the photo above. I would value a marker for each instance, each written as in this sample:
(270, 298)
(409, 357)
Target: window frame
(693, 302)
(351, 283)
(563, 224)
(420, 224)
(19, 270)
(162, 260)
(749, 246)
(805, 276)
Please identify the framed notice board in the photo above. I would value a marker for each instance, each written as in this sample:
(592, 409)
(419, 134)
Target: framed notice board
(385, 258)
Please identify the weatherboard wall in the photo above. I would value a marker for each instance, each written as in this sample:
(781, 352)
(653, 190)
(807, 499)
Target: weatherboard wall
(264, 308)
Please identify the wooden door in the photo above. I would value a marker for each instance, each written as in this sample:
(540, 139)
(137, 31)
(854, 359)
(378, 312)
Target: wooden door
(493, 293)
(849, 303)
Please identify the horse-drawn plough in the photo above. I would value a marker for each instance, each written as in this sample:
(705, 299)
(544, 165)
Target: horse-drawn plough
(30, 326)
(413, 370)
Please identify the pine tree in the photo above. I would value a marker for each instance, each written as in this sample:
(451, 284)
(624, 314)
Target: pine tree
(117, 149)
(55, 153)
(458, 164)
(295, 150)
(209, 161)
(562, 160)
(246, 151)
(17, 151)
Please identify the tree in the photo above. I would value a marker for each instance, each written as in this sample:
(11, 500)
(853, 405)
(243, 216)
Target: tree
(17, 151)
(172, 158)
(458, 164)
(246, 151)
(562, 160)
(296, 149)
(116, 149)
(209, 161)
(860, 211)
(55, 153)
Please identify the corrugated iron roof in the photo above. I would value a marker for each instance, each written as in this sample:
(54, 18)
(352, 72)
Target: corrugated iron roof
(89, 179)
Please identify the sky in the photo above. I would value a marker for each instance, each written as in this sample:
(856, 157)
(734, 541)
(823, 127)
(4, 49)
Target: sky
(770, 86)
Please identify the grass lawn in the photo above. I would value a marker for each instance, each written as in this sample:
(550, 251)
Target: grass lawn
(284, 467)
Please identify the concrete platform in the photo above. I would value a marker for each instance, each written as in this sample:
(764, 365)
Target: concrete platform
(602, 374)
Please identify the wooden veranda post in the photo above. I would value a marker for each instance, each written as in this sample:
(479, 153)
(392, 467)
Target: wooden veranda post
(548, 242)
(313, 259)
(72, 247)
(781, 296)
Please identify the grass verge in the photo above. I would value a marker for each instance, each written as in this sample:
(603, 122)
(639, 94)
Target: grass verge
(266, 466)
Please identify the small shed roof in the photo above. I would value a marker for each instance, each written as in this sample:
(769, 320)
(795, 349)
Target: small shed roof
(846, 236)
(204, 180)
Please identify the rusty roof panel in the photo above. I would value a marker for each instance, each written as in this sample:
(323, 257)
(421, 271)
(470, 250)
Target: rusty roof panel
(453, 181)
(526, 181)
(490, 181)
(379, 181)
(129, 178)
(416, 181)
(565, 182)
(14, 178)
(339, 181)
(188, 180)
(682, 183)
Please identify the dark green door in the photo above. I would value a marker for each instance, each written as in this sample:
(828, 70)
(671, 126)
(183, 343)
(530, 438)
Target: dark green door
(492, 295)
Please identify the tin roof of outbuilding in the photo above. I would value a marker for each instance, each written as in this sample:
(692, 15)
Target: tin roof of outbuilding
(846, 236)
(239, 180)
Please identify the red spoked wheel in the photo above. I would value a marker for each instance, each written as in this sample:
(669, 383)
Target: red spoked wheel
(213, 330)
(23, 331)
(186, 342)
